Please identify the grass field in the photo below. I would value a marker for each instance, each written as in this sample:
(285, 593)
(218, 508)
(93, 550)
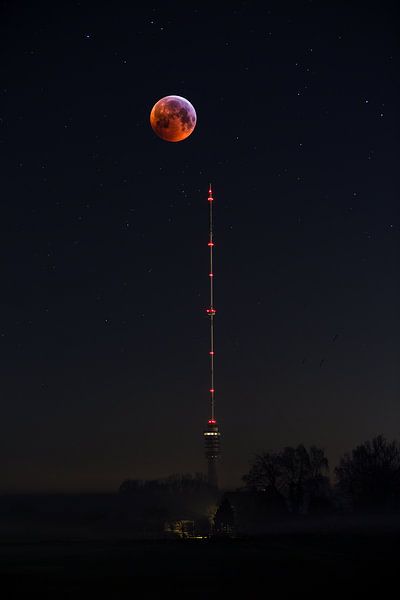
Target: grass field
(318, 564)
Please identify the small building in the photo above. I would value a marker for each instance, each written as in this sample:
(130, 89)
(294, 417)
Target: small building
(180, 528)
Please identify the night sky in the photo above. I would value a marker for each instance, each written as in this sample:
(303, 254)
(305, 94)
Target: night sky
(103, 245)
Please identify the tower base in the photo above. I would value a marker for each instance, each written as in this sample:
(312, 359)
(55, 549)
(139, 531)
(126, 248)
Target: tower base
(212, 473)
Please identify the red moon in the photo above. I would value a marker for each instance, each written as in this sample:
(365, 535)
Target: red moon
(173, 118)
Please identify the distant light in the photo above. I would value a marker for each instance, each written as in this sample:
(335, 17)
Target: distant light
(211, 243)
(211, 274)
(212, 390)
(212, 352)
(212, 421)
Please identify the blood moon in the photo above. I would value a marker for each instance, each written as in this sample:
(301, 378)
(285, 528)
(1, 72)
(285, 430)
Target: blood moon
(173, 118)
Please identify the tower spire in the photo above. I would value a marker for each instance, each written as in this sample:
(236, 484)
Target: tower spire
(211, 309)
(212, 434)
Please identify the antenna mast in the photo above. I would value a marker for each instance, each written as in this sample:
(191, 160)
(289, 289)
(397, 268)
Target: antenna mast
(212, 434)
(211, 311)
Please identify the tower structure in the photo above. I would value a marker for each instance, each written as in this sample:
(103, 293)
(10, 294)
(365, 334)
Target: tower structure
(212, 435)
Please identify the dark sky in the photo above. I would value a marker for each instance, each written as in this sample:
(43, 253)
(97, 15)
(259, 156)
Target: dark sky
(103, 245)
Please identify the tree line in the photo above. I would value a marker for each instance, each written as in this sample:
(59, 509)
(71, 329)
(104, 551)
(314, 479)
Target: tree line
(291, 481)
(367, 478)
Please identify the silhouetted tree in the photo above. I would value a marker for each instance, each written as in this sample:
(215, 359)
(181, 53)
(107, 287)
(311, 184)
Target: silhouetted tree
(176, 483)
(296, 474)
(186, 482)
(179, 497)
(370, 476)
(130, 486)
(224, 520)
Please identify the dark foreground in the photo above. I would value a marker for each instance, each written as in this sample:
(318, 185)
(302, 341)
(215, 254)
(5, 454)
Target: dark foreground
(319, 564)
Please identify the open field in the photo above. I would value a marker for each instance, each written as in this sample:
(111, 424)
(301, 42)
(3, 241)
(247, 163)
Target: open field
(81, 547)
(317, 563)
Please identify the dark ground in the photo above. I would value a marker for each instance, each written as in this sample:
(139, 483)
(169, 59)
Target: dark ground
(87, 546)
(320, 564)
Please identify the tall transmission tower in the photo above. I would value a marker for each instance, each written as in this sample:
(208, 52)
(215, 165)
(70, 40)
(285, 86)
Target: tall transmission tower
(212, 435)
